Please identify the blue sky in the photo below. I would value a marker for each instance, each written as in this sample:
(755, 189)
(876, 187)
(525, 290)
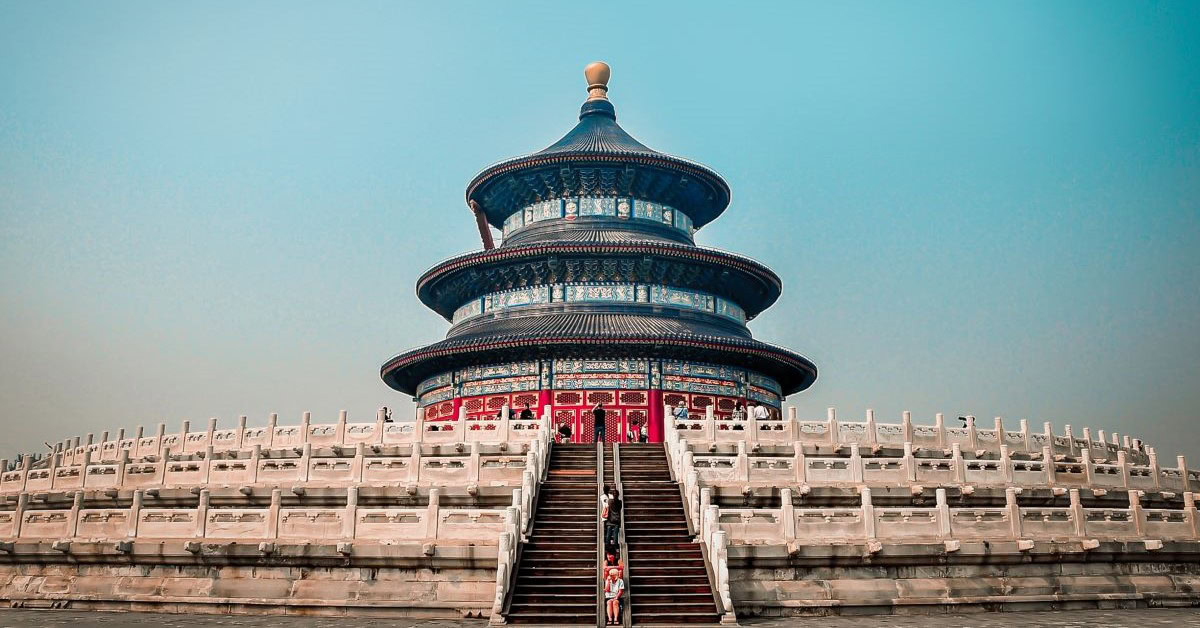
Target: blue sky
(216, 209)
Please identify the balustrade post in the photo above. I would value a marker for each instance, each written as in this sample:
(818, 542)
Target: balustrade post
(1103, 440)
(208, 433)
(906, 426)
(1024, 426)
(693, 498)
(1013, 511)
(972, 433)
(162, 468)
(1085, 457)
(432, 513)
(351, 516)
(712, 525)
(340, 431)
(703, 502)
(799, 464)
(473, 464)
(1048, 431)
(26, 465)
(1006, 466)
(1048, 462)
(832, 425)
(752, 431)
(1155, 471)
(414, 464)
(998, 426)
(122, 462)
(135, 514)
(1070, 436)
(159, 433)
(943, 514)
(239, 438)
(527, 499)
(856, 463)
(1136, 513)
(1123, 463)
(273, 513)
(868, 513)
(305, 423)
(272, 423)
(202, 514)
(1181, 463)
(788, 515)
(710, 423)
(1189, 510)
(305, 461)
(1125, 442)
(360, 460)
(73, 521)
(939, 424)
(960, 467)
(183, 432)
(380, 426)
(22, 506)
(208, 457)
(255, 456)
(910, 463)
(506, 423)
(1087, 437)
(872, 436)
(1078, 516)
(743, 462)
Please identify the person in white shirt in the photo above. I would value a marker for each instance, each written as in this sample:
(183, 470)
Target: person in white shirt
(761, 413)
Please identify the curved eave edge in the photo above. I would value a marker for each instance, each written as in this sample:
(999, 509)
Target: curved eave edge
(479, 258)
(786, 359)
(681, 165)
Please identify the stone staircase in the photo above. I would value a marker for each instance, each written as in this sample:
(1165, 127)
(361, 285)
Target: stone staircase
(557, 571)
(668, 582)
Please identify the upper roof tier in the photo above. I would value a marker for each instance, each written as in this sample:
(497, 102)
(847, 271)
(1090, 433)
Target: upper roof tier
(598, 158)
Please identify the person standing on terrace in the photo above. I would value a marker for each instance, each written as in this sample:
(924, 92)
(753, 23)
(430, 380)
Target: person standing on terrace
(598, 417)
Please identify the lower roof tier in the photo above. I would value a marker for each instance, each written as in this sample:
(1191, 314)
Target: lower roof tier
(598, 335)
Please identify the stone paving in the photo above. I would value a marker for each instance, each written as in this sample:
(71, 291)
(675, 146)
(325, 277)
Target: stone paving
(1133, 618)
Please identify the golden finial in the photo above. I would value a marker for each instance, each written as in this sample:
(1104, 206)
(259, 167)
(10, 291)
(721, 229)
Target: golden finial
(597, 73)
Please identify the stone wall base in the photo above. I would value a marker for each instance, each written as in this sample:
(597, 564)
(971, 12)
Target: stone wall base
(916, 579)
(261, 590)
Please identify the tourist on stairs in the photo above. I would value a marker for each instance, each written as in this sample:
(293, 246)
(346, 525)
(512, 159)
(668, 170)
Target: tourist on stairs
(612, 518)
(598, 418)
(613, 585)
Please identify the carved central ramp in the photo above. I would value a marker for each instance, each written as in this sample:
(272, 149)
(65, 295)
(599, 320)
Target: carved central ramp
(556, 573)
(668, 582)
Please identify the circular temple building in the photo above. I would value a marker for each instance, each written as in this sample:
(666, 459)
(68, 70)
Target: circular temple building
(598, 293)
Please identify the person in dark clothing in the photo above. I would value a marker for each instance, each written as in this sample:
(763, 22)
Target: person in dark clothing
(598, 417)
(564, 433)
(387, 415)
(527, 414)
(613, 523)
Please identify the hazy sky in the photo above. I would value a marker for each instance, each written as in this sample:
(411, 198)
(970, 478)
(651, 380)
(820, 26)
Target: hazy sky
(216, 209)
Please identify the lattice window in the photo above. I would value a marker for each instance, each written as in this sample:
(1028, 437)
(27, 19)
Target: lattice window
(431, 412)
(586, 429)
(673, 399)
(701, 401)
(613, 430)
(474, 405)
(725, 404)
(563, 416)
(568, 399)
(519, 401)
(633, 398)
(600, 397)
(446, 408)
(495, 403)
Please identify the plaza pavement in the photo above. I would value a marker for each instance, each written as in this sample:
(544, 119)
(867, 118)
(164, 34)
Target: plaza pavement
(1133, 618)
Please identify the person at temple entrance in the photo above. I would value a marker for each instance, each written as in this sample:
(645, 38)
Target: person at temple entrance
(527, 414)
(680, 412)
(598, 418)
(761, 413)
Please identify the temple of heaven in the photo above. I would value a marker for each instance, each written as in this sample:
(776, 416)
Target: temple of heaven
(598, 293)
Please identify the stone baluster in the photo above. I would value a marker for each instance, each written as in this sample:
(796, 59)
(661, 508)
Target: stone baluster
(1125, 442)
(1087, 437)
(1048, 431)
(527, 499)
(868, 513)
(872, 436)
(351, 515)
(972, 436)
(432, 513)
(272, 423)
(787, 515)
(998, 425)
(505, 423)
(943, 514)
(1024, 424)
(1181, 464)
(705, 503)
(22, 506)
(135, 514)
(159, 433)
(473, 464)
(26, 465)
(1013, 512)
(751, 430)
(712, 518)
(939, 424)
(1123, 463)
(906, 427)
(1070, 434)
(799, 464)
(305, 425)
(710, 423)
(960, 467)
(202, 514)
(743, 461)
(4, 465)
(122, 462)
(380, 425)
(832, 425)
(340, 435)
(360, 461)
(208, 463)
(255, 456)
(212, 427)
(183, 432)
(273, 512)
(793, 428)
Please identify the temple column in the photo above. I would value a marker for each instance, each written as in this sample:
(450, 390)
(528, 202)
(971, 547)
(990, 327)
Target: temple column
(654, 421)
